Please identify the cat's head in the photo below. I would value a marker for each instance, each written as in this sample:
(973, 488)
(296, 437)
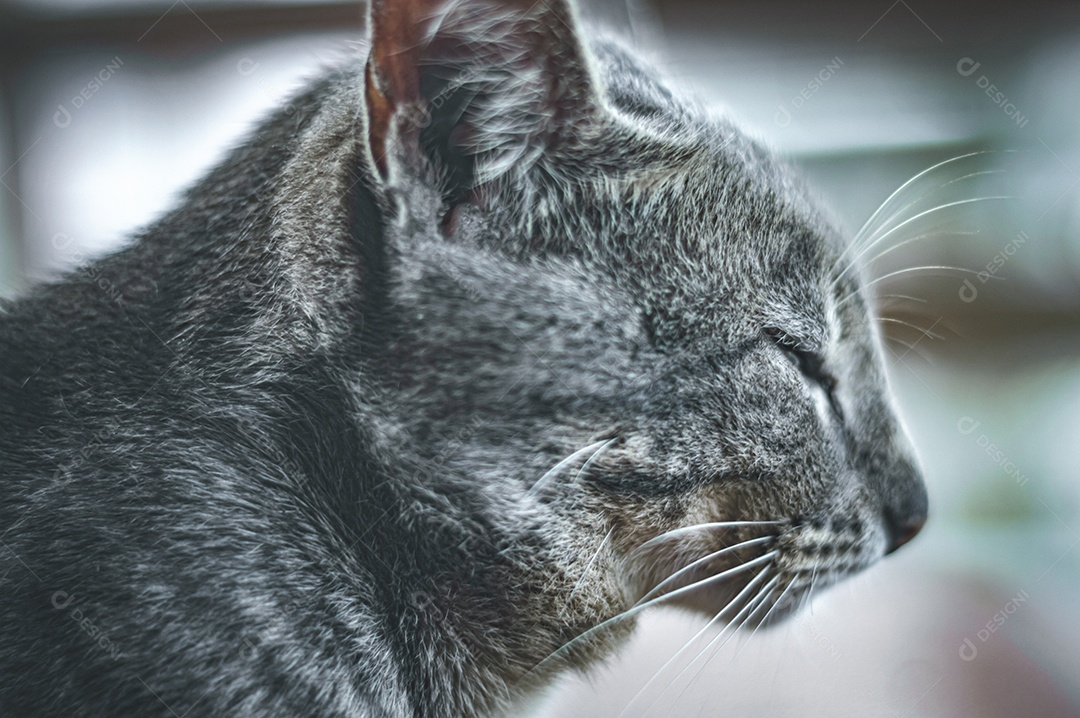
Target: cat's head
(623, 318)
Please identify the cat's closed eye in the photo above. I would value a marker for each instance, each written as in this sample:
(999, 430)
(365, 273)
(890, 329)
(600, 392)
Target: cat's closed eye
(809, 362)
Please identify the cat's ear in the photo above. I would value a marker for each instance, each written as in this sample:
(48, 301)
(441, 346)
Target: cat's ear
(469, 89)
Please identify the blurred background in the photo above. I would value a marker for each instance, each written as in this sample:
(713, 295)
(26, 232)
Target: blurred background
(108, 109)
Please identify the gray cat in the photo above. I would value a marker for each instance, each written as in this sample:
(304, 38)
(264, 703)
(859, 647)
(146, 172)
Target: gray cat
(484, 345)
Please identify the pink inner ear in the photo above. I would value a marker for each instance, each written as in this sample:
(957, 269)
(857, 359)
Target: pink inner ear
(379, 112)
(398, 34)
(392, 76)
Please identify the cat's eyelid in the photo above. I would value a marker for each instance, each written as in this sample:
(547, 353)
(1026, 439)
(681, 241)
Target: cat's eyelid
(810, 362)
(791, 342)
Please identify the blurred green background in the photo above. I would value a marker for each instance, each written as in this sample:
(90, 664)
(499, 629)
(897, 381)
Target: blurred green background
(109, 109)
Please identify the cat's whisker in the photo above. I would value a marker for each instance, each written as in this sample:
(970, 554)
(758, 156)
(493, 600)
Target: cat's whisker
(927, 193)
(585, 571)
(639, 607)
(752, 585)
(761, 601)
(908, 348)
(716, 578)
(566, 463)
(927, 318)
(946, 268)
(918, 238)
(925, 332)
(807, 599)
(893, 338)
(704, 559)
(882, 225)
(909, 270)
(734, 601)
(915, 178)
(703, 526)
(776, 604)
(752, 607)
(906, 222)
(584, 470)
(865, 229)
(902, 296)
(924, 317)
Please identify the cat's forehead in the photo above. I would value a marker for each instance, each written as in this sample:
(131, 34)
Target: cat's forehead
(709, 243)
(696, 171)
(708, 218)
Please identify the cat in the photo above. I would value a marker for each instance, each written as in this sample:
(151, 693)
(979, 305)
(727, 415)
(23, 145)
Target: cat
(485, 344)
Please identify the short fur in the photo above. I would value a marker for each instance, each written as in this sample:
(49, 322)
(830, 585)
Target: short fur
(290, 452)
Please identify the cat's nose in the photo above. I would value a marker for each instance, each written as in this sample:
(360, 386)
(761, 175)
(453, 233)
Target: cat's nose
(905, 506)
(901, 526)
(901, 530)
